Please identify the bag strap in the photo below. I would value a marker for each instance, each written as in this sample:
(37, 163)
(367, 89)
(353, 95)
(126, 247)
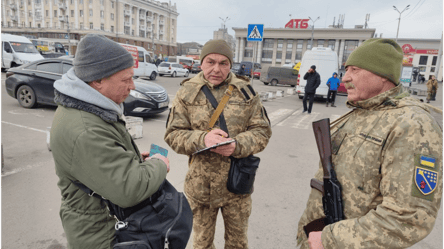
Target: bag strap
(219, 107)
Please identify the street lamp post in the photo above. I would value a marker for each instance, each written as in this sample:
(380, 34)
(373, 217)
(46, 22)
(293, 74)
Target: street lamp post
(69, 38)
(399, 22)
(312, 30)
(224, 20)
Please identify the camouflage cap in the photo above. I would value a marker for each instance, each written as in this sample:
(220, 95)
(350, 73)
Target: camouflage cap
(382, 57)
(217, 47)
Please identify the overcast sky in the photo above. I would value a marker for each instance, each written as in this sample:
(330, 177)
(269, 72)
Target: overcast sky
(198, 19)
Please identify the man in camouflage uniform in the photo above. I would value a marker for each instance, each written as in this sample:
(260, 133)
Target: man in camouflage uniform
(387, 156)
(432, 87)
(187, 131)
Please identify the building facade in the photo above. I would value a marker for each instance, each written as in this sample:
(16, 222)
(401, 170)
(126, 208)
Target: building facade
(423, 54)
(222, 34)
(147, 23)
(286, 46)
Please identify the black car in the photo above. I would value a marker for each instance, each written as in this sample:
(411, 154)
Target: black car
(196, 68)
(33, 84)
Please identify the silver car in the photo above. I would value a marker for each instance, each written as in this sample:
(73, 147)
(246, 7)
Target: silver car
(172, 69)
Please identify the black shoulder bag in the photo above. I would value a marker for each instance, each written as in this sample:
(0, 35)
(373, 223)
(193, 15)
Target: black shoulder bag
(164, 220)
(242, 170)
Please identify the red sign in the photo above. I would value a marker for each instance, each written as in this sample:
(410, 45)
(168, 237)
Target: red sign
(407, 48)
(297, 23)
(427, 51)
(133, 51)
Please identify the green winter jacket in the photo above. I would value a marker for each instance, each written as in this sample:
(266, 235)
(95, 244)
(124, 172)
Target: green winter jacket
(91, 145)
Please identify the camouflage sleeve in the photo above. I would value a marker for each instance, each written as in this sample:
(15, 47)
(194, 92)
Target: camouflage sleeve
(255, 138)
(411, 189)
(179, 135)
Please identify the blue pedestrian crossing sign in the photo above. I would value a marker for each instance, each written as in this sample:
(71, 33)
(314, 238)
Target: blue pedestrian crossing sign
(255, 32)
(66, 36)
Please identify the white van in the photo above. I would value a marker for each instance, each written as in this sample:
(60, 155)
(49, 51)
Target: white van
(143, 61)
(326, 62)
(18, 50)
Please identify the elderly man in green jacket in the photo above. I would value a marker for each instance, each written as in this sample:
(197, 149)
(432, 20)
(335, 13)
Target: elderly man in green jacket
(387, 154)
(91, 145)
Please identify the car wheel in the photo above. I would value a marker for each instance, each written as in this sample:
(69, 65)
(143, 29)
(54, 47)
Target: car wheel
(186, 74)
(153, 76)
(274, 82)
(173, 75)
(301, 97)
(26, 97)
(265, 83)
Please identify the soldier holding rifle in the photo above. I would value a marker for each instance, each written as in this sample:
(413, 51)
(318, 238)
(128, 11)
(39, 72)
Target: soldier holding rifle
(387, 156)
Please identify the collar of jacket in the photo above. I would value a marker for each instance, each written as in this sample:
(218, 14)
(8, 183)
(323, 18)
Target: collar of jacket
(391, 97)
(197, 82)
(70, 102)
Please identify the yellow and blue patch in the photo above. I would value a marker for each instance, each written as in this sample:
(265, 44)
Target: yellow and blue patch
(427, 161)
(426, 180)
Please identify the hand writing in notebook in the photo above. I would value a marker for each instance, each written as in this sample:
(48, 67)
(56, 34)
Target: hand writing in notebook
(217, 136)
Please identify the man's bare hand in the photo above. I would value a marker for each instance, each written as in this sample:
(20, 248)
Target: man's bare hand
(314, 240)
(225, 150)
(159, 156)
(218, 136)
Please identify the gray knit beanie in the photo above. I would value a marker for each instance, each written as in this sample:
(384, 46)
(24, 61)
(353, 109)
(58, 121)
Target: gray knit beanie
(98, 57)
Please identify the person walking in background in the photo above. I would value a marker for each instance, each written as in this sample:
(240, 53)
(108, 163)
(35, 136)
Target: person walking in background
(432, 87)
(313, 81)
(333, 84)
(241, 70)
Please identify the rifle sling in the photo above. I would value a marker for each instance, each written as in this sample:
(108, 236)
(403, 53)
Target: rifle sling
(219, 107)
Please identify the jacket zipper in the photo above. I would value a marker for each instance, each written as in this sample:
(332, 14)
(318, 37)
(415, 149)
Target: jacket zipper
(174, 223)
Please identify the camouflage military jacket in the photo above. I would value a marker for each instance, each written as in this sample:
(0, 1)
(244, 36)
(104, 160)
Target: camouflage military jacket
(187, 126)
(432, 83)
(387, 153)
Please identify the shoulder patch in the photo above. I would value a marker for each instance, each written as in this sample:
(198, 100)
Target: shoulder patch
(425, 177)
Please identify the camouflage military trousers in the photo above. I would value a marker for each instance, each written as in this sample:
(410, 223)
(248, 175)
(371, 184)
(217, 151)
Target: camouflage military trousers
(235, 214)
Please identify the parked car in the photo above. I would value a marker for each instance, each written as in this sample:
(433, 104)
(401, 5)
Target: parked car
(33, 84)
(257, 73)
(172, 69)
(196, 68)
(279, 75)
(249, 66)
(326, 62)
(18, 50)
(235, 68)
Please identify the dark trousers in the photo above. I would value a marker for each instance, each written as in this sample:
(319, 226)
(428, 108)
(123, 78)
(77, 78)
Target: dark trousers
(310, 104)
(333, 96)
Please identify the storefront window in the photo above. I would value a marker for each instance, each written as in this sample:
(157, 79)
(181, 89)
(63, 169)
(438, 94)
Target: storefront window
(348, 49)
(321, 43)
(331, 44)
(423, 60)
(434, 60)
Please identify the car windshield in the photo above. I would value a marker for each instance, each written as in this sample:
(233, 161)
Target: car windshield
(164, 64)
(236, 66)
(196, 65)
(20, 47)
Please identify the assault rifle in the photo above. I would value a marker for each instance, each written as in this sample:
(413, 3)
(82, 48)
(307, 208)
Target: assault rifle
(330, 188)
